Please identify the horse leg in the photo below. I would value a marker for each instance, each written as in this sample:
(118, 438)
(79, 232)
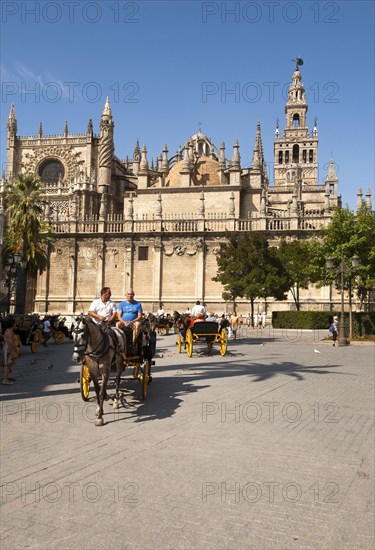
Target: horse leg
(102, 393)
(97, 392)
(119, 369)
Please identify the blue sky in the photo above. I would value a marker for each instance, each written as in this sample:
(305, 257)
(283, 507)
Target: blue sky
(170, 67)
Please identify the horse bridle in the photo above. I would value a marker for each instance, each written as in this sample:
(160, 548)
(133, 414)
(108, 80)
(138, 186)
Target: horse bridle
(97, 352)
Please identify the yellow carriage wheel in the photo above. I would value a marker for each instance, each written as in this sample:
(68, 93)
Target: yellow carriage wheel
(145, 377)
(36, 341)
(223, 341)
(58, 336)
(162, 330)
(179, 342)
(189, 342)
(85, 382)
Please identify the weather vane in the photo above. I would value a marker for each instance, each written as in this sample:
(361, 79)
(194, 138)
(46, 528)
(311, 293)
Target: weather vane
(298, 61)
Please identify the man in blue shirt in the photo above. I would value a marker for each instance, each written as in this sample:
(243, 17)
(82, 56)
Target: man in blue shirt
(129, 314)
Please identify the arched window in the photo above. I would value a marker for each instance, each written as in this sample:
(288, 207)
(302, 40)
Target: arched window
(280, 157)
(311, 155)
(286, 157)
(304, 155)
(51, 171)
(295, 153)
(296, 120)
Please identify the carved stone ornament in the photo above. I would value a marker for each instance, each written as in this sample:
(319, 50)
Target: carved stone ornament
(181, 249)
(88, 254)
(68, 156)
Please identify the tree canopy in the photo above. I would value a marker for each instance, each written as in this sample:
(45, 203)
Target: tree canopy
(248, 267)
(25, 230)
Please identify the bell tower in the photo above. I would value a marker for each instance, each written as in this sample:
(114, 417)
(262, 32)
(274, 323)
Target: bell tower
(297, 151)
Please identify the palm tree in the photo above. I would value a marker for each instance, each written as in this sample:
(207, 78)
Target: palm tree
(25, 230)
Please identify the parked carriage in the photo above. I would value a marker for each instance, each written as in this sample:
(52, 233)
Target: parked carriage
(29, 331)
(204, 331)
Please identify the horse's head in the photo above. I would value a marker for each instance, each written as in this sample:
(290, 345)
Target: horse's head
(80, 334)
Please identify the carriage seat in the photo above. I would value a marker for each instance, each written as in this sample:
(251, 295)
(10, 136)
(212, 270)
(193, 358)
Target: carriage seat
(205, 327)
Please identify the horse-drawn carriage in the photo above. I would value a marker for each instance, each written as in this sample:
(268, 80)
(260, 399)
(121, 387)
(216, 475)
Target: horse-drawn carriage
(102, 349)
(162, 324)
(29, 330)
(203, 331)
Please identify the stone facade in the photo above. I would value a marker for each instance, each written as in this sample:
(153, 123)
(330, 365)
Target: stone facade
(157, 228)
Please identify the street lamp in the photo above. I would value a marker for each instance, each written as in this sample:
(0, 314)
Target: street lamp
(14, 263)
(342, 269)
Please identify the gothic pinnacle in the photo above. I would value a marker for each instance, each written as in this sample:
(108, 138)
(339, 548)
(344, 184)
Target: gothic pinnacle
(107, 108)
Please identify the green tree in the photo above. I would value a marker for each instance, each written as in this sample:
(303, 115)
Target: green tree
(348, 234)
(25, 230)
(249, 267)
(295, 257)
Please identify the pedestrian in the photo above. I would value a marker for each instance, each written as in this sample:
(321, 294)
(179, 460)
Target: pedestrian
(224, 323)
(259, 320)
(10, 351)
(333, 329)
(264, 318)
(211, 317)
(234, 322)
(46, 331)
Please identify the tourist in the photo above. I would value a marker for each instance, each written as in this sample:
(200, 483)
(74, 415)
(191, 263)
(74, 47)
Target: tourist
(46, 331)
(103, 310)
(198, 308)
(234, 322)
(129, 314)
(10, 351)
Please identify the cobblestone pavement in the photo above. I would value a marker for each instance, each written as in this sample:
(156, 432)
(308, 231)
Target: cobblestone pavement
(270, 447)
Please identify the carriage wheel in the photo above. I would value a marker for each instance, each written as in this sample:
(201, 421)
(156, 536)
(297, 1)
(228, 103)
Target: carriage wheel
(145, 377)
(85, 382)
(223, 342)
(162, 330)
(189, 343)
(36, 341)
(58, 336)
(179, 342)
(209, 345)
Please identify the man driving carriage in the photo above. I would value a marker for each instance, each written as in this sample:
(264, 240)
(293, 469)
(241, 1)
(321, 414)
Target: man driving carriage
(103, 309)
(129, 314)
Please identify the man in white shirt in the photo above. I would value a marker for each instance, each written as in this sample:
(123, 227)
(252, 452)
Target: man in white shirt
(46, 331)
(160, 312)
(103, 309)
(198, 309)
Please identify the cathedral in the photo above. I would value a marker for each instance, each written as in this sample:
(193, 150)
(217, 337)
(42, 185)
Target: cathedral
(156, 227)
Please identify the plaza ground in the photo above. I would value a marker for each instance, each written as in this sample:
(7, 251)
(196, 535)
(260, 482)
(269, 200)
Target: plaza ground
(270, 447)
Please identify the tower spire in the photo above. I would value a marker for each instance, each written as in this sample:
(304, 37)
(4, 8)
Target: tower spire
(258, 151)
